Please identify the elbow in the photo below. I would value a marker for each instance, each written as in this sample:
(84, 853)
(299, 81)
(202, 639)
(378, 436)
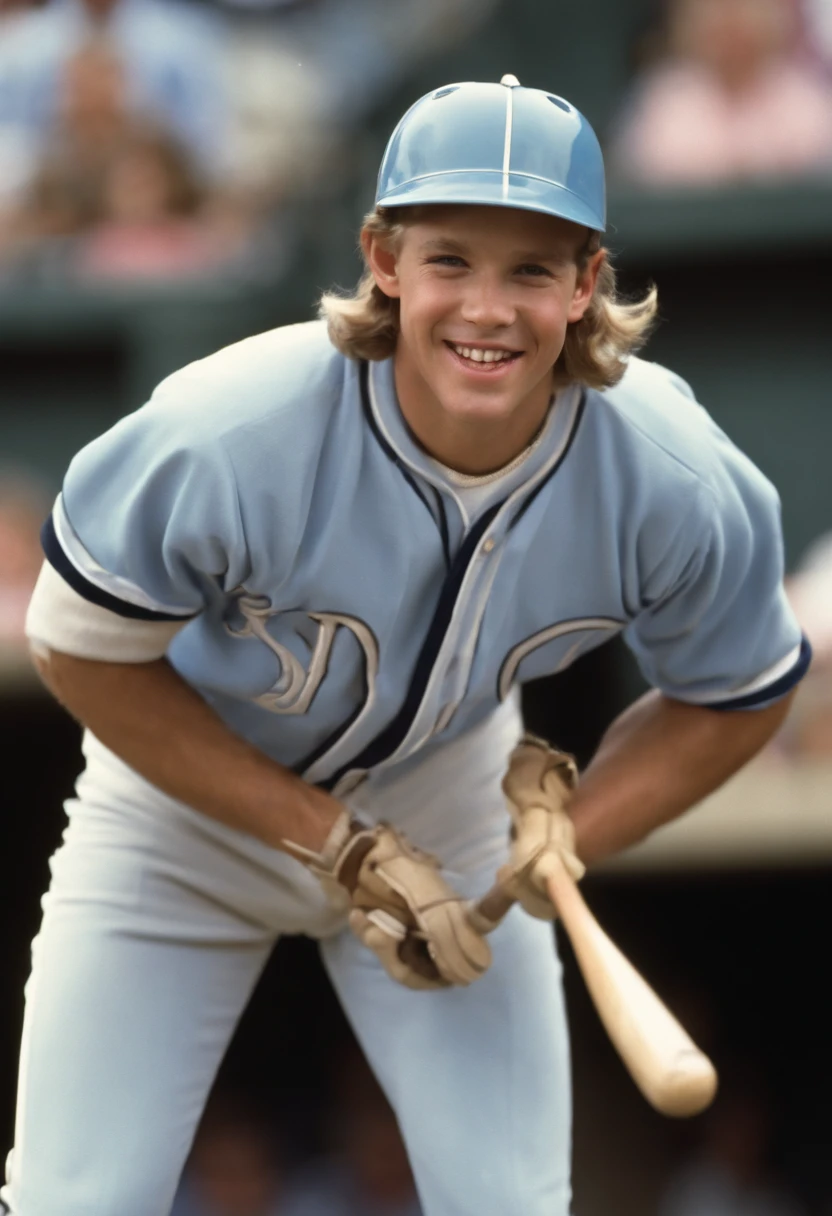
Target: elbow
(56, 671)
(41, 657)
(47, 664)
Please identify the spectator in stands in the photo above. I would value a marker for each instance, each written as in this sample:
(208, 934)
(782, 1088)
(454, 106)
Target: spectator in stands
(733, 100)
(234, 1167)
(172, 55)
(265, 113)
(368, 1173)
(125, 196)
(280, 141)
(361, 48)
(16, 152)
(732, 1175)
(9, 7)
(302, 74)
(260, 6)
(154, 219)
(91, 123)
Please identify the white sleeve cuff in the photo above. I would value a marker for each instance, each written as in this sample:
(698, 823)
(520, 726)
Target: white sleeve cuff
(61, 619)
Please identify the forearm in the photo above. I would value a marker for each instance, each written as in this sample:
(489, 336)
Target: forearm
(659, 758)
(154, 721)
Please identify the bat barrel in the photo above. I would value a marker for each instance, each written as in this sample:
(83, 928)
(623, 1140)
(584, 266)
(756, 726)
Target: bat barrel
(686, 1088)
(669, 1069)
(676, 1078)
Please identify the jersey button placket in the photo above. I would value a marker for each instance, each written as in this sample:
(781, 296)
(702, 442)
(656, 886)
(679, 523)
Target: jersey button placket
(455, 680)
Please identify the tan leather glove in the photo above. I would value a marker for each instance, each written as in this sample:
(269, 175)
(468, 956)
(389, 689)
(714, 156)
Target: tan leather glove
(402, 908)
(538, 786)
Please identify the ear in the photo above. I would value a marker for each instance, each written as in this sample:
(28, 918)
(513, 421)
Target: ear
(382, 263)
(585, 286)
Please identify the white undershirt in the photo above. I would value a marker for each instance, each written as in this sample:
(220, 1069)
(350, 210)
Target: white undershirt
(479, 491)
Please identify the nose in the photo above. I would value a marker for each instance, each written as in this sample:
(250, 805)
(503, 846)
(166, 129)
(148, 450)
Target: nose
(488, 304)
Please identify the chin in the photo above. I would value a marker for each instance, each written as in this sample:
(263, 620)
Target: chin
(471, 406)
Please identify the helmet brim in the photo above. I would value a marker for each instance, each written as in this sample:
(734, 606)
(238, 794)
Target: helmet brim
(490, 188)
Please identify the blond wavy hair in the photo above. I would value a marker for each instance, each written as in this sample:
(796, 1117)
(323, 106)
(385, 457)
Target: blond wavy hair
(365, 324)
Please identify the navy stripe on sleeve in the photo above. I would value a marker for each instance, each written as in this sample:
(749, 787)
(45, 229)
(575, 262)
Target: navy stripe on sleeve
(96, 595)
(771, 692)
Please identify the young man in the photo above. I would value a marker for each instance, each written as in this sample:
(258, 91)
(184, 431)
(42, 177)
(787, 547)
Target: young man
(292, 599)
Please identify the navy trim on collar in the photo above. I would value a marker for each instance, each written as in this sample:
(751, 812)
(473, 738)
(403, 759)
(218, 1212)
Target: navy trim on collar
(392, 454)
(524, 506)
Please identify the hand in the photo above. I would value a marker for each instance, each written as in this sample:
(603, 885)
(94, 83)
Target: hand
(538, 786)
(402, 908)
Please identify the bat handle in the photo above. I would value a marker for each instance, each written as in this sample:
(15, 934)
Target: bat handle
(486, 913)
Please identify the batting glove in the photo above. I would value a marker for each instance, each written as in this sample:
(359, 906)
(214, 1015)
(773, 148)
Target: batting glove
(402, 909)
(538, 786)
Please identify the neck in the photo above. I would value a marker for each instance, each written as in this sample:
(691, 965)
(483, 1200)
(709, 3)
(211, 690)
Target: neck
(471, 445)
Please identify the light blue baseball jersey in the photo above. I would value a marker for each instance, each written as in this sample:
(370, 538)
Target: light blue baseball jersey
(329, 592)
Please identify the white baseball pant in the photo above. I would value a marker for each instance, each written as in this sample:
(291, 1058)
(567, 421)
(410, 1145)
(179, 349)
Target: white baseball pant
(156, 926)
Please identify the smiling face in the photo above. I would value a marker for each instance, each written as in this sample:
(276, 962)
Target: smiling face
(485, 297)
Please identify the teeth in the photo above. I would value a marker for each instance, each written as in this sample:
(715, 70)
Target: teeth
(482, 356)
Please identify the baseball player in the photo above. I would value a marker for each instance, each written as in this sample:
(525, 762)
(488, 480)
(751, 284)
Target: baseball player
(292, 599)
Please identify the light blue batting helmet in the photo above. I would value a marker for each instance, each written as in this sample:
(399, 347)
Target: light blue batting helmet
(496, 144)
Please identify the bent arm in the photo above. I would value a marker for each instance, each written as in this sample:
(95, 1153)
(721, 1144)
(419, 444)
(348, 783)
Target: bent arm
(659, 758)
(154, 721)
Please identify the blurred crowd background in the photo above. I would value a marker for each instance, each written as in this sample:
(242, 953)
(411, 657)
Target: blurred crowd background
(175, 176)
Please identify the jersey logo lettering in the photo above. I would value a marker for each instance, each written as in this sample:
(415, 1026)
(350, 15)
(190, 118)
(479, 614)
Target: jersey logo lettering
(523, 649)
(295, 689)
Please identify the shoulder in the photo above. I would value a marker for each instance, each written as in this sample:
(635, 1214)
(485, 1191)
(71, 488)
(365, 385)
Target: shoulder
(260, 411)
(673, 476)
(653, 402)
(286, 377)
(662, 430)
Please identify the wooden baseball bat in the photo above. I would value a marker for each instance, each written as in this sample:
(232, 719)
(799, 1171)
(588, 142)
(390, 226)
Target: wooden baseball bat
(673, 1074)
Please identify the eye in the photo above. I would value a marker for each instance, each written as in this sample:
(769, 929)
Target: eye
(534, 270)
(446, 259)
